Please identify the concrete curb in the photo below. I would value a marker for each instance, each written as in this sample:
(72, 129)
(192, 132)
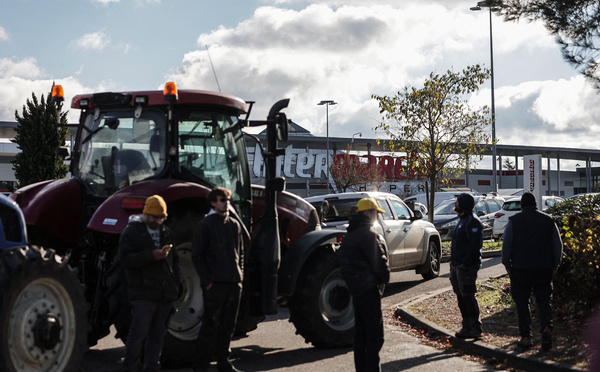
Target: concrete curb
(529, 363)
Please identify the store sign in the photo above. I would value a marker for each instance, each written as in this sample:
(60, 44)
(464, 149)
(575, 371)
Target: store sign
(307, 163)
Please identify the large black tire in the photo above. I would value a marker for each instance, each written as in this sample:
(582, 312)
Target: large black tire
(42, 312)
(180, 342)
(184, 324)
(432, 265)
(321, 308)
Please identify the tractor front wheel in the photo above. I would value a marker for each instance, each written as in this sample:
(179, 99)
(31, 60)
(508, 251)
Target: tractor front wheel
(42, 312)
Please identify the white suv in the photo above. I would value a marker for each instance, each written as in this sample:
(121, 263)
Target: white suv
(511, 207)
(412, 242)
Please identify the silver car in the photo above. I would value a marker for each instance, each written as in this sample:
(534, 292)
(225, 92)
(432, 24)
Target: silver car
(412, 242)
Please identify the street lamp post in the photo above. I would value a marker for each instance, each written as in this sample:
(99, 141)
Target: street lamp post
(492, 5)
(327, 103)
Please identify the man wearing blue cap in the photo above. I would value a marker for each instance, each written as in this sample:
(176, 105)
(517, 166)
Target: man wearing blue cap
(363, 262)
(465, 261)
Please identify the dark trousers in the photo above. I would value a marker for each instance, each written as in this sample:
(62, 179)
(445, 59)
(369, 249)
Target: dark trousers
(148, 329)
(368, 331)
(463, 280)
(221, 303)
(522, 282)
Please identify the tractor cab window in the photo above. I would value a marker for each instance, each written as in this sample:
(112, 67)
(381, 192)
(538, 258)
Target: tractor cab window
(212, 152)
(116, 149)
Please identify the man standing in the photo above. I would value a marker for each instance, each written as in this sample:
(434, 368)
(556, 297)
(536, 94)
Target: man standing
(465, 261)
(363, 262)
(153, 283)
(531, 253)
(217, 253)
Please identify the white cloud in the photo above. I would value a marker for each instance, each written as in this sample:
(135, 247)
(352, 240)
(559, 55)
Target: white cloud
(345, 54)
(15, 91)
(18, 80)
(569, 104)
(92, 41)
(26, 68)
(3, 34)
(347, 51)
(560, 113)
(106, 2)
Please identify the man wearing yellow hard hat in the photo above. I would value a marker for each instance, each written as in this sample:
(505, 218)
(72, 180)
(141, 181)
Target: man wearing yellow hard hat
(363, 261)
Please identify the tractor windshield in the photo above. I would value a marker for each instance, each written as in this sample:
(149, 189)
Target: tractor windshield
(212, 151)
(117, 149)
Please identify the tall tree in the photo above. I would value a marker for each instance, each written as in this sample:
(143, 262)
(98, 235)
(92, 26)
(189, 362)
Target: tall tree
(574, 23)
(436, 124)
(40, 131)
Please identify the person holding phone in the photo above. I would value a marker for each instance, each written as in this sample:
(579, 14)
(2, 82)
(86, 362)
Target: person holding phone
(152, 269)
(217, 254)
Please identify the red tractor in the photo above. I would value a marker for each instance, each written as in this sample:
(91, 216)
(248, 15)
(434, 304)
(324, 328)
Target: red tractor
(178, 144)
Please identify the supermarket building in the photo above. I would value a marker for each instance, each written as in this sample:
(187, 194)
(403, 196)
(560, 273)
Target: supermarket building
(304, 164)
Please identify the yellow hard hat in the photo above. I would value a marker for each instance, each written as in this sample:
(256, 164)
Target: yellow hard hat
(365, 204)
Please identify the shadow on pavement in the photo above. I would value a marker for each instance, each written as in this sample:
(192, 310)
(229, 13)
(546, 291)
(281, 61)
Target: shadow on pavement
(258, 358)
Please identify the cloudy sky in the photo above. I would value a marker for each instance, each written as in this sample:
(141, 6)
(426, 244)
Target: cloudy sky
(308, 51)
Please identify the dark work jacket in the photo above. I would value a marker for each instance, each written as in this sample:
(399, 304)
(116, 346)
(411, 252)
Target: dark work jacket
(217, 250)
(148, 279)
(363, 257)
(533, 241)
(467, 241)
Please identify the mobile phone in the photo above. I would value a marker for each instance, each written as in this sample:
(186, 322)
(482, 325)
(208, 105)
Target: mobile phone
(166, 248)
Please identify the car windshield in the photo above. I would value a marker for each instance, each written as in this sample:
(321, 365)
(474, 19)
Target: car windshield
(117, 149)
(337, 209)
(446, 207)
(514, 205)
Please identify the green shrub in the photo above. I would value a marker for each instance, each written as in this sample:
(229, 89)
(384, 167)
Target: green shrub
(577, 281)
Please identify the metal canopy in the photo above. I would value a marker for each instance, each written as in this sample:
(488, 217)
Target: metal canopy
(370, 144)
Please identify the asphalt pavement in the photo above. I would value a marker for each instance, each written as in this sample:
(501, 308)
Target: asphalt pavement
(274, 346)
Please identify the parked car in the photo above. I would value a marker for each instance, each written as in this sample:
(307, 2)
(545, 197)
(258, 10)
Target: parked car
(583, 194)
(445, 219)
(440, 197)
(412, 242)
(511, 207)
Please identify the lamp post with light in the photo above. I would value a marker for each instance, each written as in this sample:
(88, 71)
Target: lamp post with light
(492, 5)
(327, 103)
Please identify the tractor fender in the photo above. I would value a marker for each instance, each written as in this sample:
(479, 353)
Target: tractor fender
(112, 216)
(296, 256)
(53, 206)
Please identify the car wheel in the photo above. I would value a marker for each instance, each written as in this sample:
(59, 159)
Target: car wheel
(432, 263)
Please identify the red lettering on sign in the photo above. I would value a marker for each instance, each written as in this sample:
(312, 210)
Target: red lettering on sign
(387, 163)
(400, 169)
